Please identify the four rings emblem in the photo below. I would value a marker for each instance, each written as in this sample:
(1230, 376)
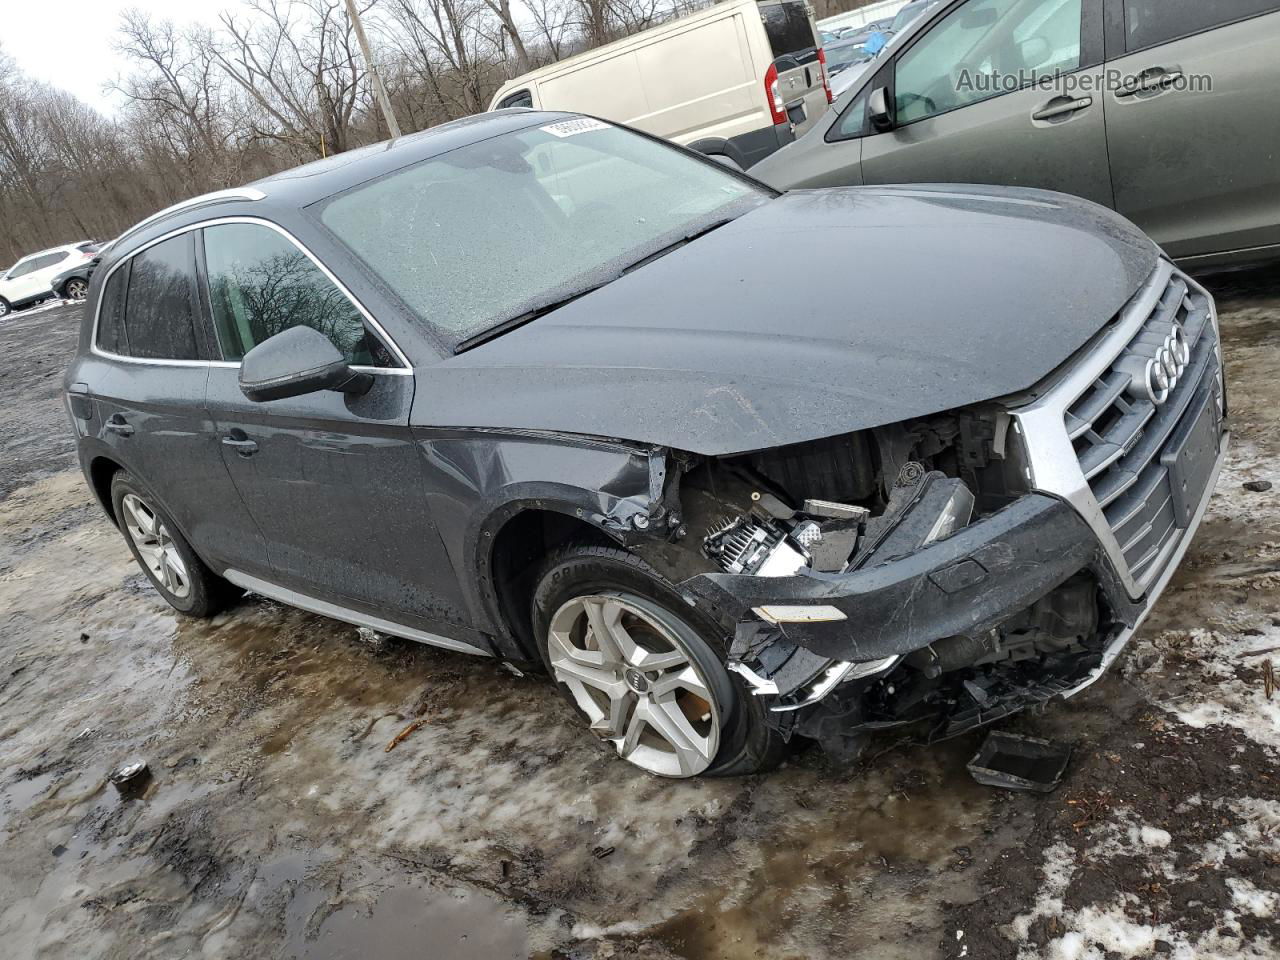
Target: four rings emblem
(1163, 370)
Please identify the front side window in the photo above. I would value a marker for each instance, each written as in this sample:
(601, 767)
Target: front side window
(521, 98)
(1148, 22)
(159, 311)
(22, 268)
(983, 49)
(482, 235)
(261, 284)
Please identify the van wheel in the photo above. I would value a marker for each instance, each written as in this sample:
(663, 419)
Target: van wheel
(640, 668)
(164, 555)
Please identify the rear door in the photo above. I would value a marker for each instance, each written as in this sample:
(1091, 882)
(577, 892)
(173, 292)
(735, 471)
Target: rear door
(1195, 141)
(793, 41)
(334, 481)
(49, 266)
(148, 369)
(1003, 92)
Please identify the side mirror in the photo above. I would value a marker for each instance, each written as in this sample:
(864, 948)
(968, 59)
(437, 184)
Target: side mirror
(878, 110)
(295, 362)
(1035, 51)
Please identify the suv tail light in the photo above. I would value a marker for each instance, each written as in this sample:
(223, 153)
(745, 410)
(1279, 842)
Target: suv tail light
(776, 106)
(822, 68)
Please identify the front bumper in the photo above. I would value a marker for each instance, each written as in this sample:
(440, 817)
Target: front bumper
(1078, 519)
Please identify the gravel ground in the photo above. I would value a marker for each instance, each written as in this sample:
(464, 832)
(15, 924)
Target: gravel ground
(278, 824)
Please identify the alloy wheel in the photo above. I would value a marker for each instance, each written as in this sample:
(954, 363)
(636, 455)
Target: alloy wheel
(637, 683)
(156, 547)
(4, 308)
(76, 289)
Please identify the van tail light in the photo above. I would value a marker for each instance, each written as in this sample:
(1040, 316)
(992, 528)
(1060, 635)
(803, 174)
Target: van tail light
(822, 67)
(774, 95)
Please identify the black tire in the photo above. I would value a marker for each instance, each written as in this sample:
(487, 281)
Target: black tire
(71, 288)
(207, 593)
(747, 744)
(5, 308)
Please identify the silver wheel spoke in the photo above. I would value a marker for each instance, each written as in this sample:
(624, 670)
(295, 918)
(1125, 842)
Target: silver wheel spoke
(156, 549)
(686, 679)
(669, 722)
(628, 669)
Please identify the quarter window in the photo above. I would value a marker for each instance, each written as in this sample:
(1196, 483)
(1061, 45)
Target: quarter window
(982, 49)
(261, 284)
(521, 98)
(111, 313)
(1149, 22)
(159, 322)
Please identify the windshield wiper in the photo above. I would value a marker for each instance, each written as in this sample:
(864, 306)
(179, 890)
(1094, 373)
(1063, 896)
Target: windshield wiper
(519, 320)
(687, 238)
(506, 326)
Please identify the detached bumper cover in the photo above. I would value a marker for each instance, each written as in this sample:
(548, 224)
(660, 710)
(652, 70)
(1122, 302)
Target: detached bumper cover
(965, 584)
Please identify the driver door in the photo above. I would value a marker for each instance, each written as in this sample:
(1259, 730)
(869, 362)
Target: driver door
(1005, 92)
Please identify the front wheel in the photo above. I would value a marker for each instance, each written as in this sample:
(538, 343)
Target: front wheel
(75, 289)
(4, 307)
(635, 662)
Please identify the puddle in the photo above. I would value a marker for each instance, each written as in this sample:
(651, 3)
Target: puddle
(407, 923)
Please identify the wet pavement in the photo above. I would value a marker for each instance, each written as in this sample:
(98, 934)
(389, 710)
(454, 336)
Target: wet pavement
(276, 822)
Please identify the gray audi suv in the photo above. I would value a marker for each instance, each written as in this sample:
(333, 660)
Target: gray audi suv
(537, 387)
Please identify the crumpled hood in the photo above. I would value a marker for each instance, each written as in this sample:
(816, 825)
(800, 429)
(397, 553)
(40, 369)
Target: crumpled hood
(819, 313)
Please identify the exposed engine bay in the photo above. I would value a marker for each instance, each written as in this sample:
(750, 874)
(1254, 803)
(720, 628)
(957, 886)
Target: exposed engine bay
(833, 507)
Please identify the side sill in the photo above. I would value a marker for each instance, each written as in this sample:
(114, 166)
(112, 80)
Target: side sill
(327, 609)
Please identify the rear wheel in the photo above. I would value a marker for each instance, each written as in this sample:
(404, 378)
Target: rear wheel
(164, 555)
(75, 289)
(637, 665)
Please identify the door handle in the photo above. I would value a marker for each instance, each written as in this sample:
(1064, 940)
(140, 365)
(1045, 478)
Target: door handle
(1055, 108)
(1152, 80)
(118, 426)
(241, 445)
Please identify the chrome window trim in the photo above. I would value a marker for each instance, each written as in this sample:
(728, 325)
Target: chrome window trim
(1054, 466)
(235, 193)
(405, 368)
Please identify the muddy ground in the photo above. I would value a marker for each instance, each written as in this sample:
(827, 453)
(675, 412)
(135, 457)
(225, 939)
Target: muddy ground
(278, 825)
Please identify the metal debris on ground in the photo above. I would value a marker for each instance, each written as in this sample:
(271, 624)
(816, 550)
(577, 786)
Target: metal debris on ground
(1015, 762)
(1268, 678)
(395, 741)
(131, 777)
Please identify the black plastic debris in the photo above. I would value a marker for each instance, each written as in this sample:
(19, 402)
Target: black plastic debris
(1257, 486)
(1016, 762)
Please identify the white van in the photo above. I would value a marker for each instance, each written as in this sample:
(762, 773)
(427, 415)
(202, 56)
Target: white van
(740, 78)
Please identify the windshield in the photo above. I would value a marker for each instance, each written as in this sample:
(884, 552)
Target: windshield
(486, 233)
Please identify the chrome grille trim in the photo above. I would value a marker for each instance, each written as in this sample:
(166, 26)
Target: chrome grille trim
(1093, 443)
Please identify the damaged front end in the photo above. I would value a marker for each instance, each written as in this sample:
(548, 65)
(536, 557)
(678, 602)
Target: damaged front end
(942, 573)
(946, 606)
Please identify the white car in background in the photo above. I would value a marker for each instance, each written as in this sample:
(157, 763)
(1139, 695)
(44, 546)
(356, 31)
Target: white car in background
(30, 278)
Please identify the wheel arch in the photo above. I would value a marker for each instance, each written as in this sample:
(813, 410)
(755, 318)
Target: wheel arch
(102, 470)
(516, 541)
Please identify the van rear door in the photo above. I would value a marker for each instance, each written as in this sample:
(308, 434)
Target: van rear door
(793, 40)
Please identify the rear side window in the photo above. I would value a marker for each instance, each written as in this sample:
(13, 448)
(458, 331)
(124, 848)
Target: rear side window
(1148, 22)
(111, 313)
(789, 30)
(159, 320)
(48, 260)
(261, 284)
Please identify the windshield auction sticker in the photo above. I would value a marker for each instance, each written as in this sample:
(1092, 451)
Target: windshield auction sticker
(571, 128)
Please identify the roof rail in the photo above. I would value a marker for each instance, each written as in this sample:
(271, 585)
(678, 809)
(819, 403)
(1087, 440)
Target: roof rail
(236, 193)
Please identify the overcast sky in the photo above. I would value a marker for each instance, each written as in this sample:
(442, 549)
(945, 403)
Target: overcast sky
(68, 42)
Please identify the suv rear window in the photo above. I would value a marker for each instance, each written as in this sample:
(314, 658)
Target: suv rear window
(789, 30)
